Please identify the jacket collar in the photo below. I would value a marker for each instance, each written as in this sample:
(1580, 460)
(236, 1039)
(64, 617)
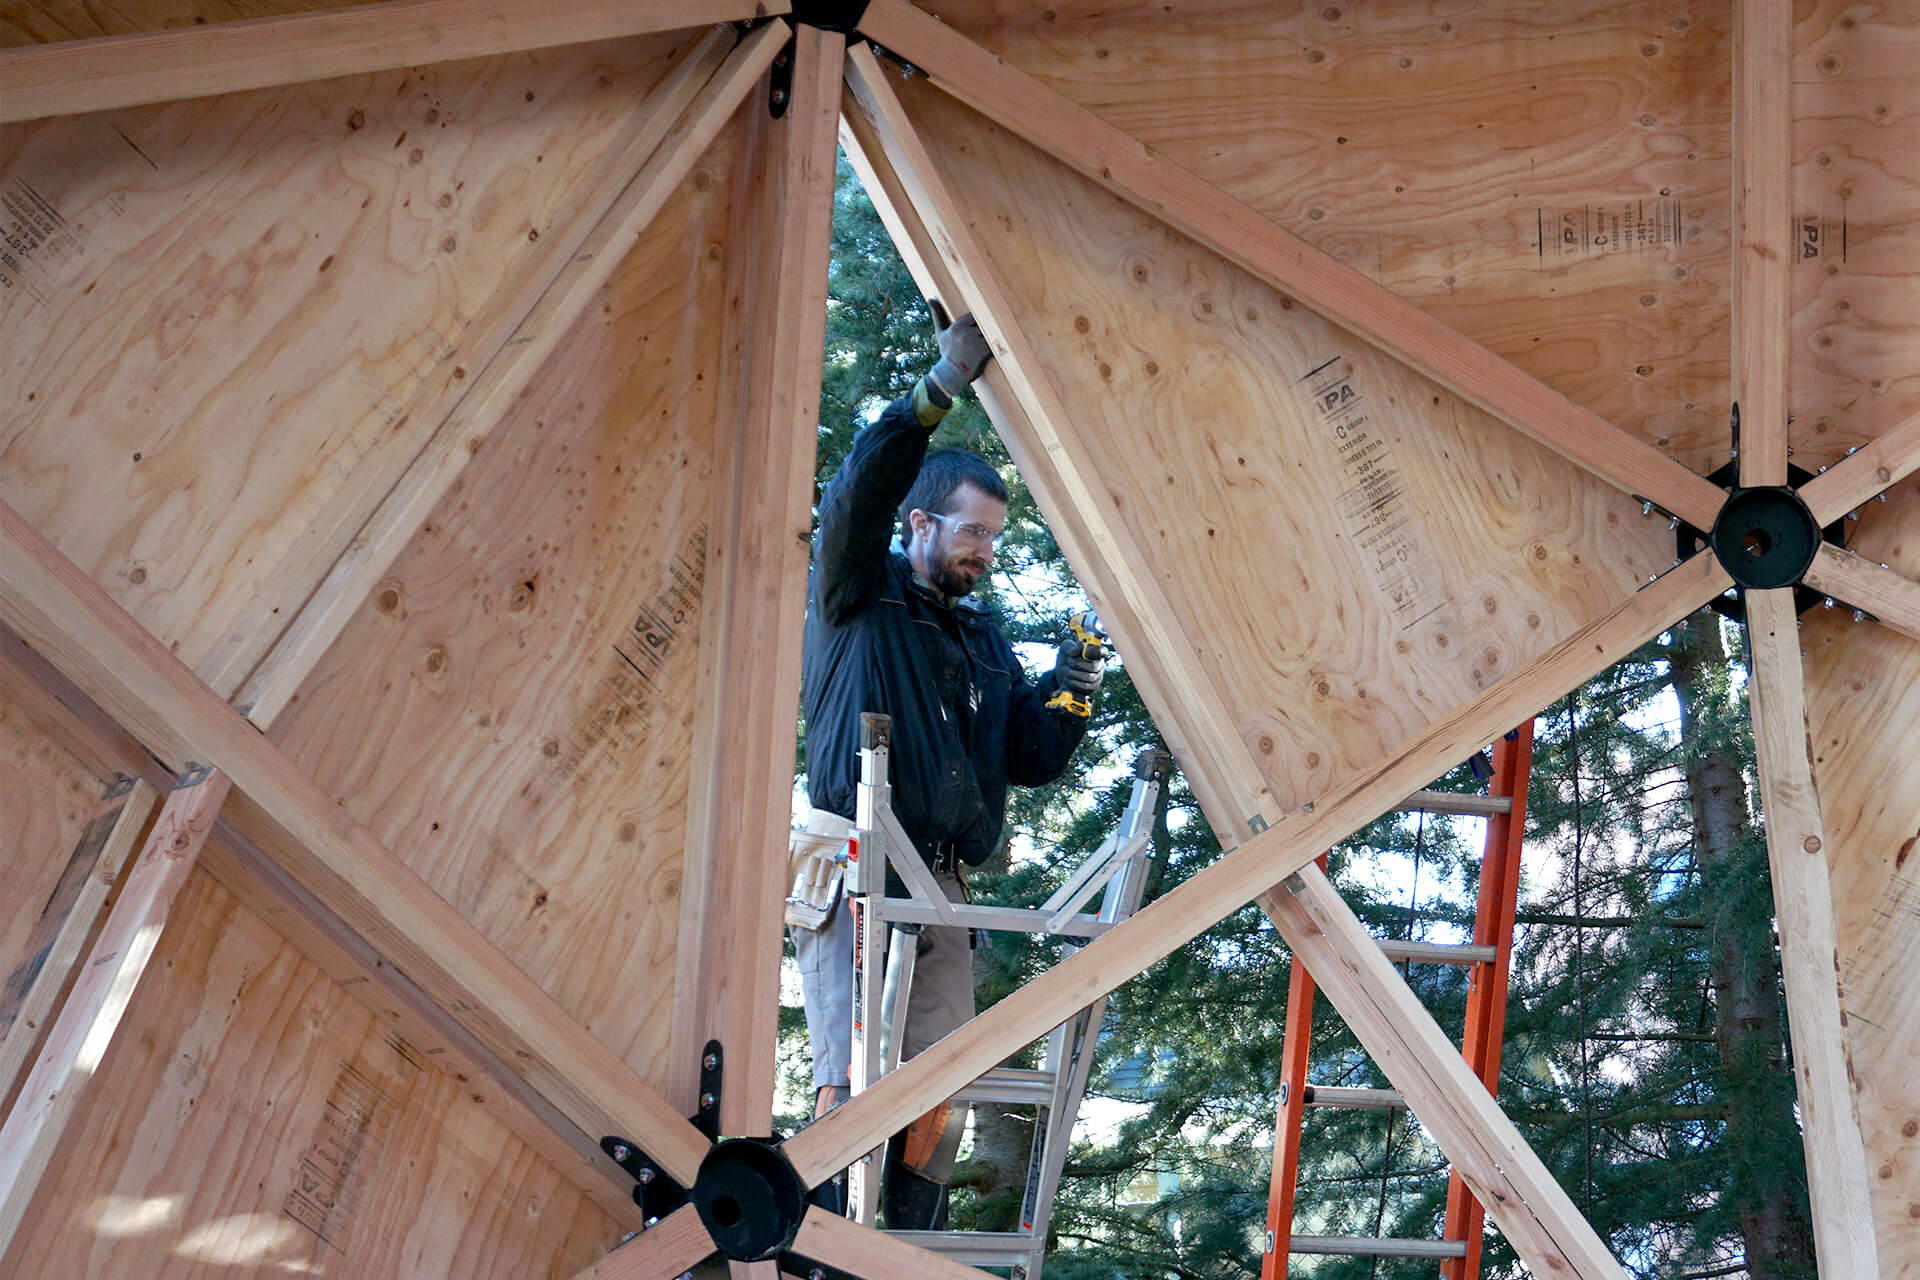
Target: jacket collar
(968, 609)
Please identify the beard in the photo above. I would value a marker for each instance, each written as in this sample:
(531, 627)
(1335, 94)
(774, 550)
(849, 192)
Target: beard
(955, 572)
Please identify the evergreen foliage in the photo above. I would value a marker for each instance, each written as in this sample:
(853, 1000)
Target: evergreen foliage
(1645, 1047)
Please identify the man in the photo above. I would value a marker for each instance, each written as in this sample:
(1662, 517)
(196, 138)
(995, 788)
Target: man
(895, 632)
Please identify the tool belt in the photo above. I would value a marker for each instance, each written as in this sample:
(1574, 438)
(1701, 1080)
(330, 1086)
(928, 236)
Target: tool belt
(816, 863)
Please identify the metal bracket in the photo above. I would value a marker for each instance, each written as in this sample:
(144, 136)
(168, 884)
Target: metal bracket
(194, 775)
(780, 81)
(1762, 537)
(794, 1264)
(654, 1190)
(120, 786)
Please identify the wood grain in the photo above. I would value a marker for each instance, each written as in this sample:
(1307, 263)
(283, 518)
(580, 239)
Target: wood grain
(88, 1024)
(1837, 1176)
(532, 655)
(233, 57)
(1763, 234)
(1863, 699)
(734, 880)
(234, 323)
(1862, 584)
(41, 977)
(1550, 180)
(254, 1120)
(1405, 550)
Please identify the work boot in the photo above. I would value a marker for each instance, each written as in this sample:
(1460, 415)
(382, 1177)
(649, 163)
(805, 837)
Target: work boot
(909, 1200)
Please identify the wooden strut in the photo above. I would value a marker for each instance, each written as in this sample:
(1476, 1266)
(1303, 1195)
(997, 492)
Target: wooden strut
(688, 110)
(1763, 232)
(1844, 1240)
(1891, 598)
(72, 76)
(139, 682)
(1208, 215)
(78, 1042)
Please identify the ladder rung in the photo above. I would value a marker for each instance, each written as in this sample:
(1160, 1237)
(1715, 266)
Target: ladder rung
(975, 1248)
(1454, 802)
(1019, 1085)
(1378, 1247)
(1321, 1095)
(1436, 952)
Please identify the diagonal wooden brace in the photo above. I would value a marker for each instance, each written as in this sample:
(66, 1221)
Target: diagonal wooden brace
(133, 676)
(1205, 213)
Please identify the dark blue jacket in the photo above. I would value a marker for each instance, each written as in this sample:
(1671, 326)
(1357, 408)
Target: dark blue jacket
(966, 721)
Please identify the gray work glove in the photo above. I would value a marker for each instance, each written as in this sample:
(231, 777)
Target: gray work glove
(1075, 673)
(963, 353)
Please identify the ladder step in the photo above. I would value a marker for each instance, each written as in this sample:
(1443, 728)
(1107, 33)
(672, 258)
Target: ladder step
(1453, 802)
(975, 1248)
(1436, 952)
(1378, 1247)
(1321, 1095)
(1018, 1085)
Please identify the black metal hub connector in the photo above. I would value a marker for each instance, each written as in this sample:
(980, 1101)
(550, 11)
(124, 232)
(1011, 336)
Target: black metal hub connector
(829, 15)
(1763, 537)
(749, 1198)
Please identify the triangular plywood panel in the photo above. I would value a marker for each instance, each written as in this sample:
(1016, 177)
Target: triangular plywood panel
(1351, 551)
(233, 322)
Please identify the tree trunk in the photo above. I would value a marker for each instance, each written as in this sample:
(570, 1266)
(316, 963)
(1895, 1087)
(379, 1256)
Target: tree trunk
(1769, 1194)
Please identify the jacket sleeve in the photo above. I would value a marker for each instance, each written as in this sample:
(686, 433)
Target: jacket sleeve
(1039, 742)
(860, 505)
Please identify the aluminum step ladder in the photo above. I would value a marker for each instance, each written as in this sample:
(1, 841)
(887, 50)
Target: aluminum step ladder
(1116, 872)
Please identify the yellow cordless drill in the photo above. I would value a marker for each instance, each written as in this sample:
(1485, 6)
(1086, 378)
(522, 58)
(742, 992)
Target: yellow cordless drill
(1092, 647)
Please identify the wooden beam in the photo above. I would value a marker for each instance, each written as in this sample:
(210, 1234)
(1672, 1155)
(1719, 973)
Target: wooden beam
(734, 874)
(833, 1241)
(48, 697)
(1762, 224)
(693, 103)
(843, 1135)
(82, 1033)
(73, 76)
(65, 922)
(668, 1248)
(1103, 545)
(1537, 1217)
(1870, 470)
(1854, 580)
(1837, 1177)
(138, 681)
(1208, 215)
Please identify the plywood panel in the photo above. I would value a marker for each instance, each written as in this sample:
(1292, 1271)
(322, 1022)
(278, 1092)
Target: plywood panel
(231, 322)
(1856, 335)
(253, 1120)
(511, 710)
(1551, 179)
(1357, 551)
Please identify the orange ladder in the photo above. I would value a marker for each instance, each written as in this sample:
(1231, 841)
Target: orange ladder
(1489, 959)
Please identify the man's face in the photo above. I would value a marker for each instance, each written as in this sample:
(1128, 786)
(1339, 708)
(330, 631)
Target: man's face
(953, 550)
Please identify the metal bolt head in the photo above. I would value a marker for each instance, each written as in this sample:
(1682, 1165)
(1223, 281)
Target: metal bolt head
(817, 1274)
(1859, 616)
(620, 1152)
(711, 1061)
(1269, 1241)
(645, 1175)
(1852, 449)
(1673, 522)
(779, 96)
(1827, 603)
(706, 1101)
(1853, 515)
(1880, 497)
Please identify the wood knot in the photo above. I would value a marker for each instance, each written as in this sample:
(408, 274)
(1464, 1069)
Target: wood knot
(1811, 844)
